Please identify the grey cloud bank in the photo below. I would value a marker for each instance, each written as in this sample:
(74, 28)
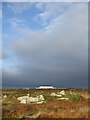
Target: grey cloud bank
(56, 56)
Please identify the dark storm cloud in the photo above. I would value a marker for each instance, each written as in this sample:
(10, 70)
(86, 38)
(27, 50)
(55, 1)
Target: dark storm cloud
(57, 56)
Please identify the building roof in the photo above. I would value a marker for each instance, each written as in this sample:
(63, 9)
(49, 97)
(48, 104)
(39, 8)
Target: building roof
(45, 87)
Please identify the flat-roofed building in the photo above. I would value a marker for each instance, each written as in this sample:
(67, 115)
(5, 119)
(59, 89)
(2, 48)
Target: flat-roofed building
(45, 87)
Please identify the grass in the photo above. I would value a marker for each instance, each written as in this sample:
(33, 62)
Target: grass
(51, 108)
(74, 98)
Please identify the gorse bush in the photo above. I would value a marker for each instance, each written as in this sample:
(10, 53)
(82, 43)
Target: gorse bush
(48, 97)
(8, 110)
(75, 98)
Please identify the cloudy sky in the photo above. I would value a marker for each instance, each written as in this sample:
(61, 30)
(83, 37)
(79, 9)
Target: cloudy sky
(45, 44)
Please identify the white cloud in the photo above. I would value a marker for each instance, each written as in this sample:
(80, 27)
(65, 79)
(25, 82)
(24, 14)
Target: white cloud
(45, 0)
(72, 17)
(18, 8)
(0, 12)
(50, 11)
(0, 50)
(40, 5)
(15, 22)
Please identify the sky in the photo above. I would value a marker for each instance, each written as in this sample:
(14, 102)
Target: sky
(45, 0)
(44, 43)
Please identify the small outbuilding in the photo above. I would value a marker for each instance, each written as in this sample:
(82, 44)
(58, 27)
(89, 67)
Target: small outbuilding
(45, 87)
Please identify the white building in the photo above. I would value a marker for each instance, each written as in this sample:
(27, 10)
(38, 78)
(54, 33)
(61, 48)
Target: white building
(45, 87)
